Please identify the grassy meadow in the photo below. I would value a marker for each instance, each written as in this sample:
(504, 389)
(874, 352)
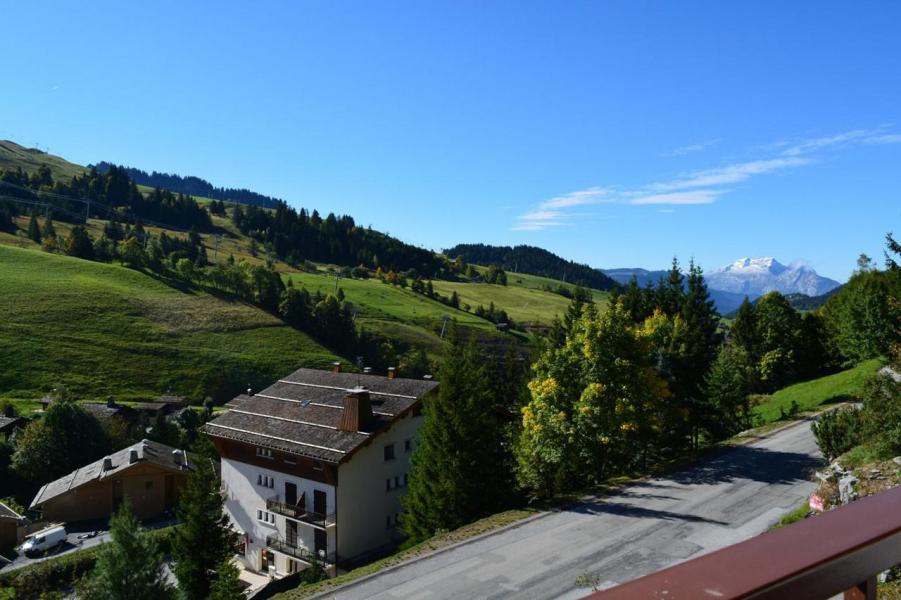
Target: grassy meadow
(102, 329)
(810, 395)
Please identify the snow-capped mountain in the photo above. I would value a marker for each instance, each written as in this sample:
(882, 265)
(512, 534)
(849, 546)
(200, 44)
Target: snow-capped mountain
(757, 276)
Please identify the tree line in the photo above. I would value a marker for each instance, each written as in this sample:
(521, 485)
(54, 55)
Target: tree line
(298, 235)
(534, 261)
(192, 186)
(112, 195)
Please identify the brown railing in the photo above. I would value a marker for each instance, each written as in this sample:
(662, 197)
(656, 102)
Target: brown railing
(280, 545)
(842, 550)
(299, 513)
(275, 505)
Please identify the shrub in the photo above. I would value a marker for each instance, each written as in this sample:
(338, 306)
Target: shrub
(881, 415)
(838, 431)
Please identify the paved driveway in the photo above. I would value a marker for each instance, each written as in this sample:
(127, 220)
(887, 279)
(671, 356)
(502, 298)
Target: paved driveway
(641, 528)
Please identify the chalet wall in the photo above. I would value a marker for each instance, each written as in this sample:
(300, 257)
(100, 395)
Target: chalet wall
(283, 462)
(143, 484)
(364, 503)
(7, 533)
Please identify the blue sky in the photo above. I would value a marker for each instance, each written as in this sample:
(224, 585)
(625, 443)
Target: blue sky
(613, 133)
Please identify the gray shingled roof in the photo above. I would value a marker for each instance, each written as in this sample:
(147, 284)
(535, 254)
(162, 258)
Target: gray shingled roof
(148, 453)
(7, 421)
(8, 513)
(300, 413)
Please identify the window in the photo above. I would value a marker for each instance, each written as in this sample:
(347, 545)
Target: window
(264, 452)
(266, 517)
(388, 522)
(265, 481)
(389, 452)
(388, 485)
(406, 479)
(408, 445)
(396, 481)
(292, 566)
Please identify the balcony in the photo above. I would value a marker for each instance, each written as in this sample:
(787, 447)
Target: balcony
(840, 551)
(299, 513)
(279, 544)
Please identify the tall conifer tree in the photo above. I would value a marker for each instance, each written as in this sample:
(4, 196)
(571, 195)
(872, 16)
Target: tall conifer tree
(203, 539)
(453, 475)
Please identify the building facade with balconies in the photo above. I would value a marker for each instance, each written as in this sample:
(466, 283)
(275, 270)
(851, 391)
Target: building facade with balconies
(315, 465)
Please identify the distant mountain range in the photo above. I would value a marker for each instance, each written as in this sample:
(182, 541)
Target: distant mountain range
(749, 277)
(757, 276)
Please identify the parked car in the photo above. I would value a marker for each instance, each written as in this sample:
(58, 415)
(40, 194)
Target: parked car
(44, 540)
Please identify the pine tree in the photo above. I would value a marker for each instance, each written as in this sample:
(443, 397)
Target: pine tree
(34, 230)
(203, 539)
(227, 585)
(744, 329)
(455, 456)
(699, 347)
(129, 567)
(48, 230)
(727, 388)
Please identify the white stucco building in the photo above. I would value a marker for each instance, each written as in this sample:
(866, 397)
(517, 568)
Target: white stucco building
(316, 464)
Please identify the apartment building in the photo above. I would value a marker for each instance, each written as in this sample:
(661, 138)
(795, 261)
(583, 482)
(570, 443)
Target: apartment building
(316, 465)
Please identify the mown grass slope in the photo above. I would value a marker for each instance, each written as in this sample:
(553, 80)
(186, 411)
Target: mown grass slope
(102, 330)
(13, 156)
(808, 395)
(396, 312)
(524, 297)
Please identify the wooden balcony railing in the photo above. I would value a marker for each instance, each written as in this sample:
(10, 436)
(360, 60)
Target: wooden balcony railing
(292, 549)
(842, 550)
(299, 513)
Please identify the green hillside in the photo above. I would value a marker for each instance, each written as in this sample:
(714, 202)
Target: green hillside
(839, 387)
(13, 156)
(103, 330)
(524, 297)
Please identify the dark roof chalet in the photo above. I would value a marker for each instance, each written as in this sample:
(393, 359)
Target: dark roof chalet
(9, 514)
(147, 452)
(302, 413)
(10, 423)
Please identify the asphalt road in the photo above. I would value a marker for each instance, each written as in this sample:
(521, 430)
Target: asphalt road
(77, 539)
(641, 528)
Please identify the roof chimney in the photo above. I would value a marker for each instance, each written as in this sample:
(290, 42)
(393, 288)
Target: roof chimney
(357, 412)
(176, 457)
(392, 372)
(427, 377)
(107, 463)
(336, 367)
(132, 456)
(367, 370)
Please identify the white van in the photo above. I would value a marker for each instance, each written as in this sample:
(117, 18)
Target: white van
(46, 539)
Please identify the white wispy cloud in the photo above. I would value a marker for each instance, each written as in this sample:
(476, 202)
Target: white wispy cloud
(734, 173)
(691, 148)
(679, 198)
(700, 187)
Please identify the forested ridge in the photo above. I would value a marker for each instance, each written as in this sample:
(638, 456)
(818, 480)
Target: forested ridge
(533, 261)
(193, 186)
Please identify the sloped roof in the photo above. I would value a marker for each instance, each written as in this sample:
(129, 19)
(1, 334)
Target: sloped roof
(300, 413)
(149, 452)
(9, 421)
(8, 513)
